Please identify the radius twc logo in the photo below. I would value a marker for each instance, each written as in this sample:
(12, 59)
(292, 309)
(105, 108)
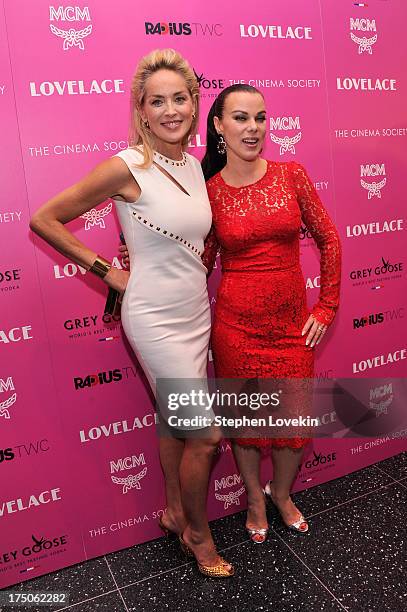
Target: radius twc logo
(172, 28)
(95, 217)
(22, 451)
(378, 318)
(365, 43)
(228, 497)
(71, 37)
(100, 378)
(7, 386)
(278, 128)
(373, 188)
(128, 480)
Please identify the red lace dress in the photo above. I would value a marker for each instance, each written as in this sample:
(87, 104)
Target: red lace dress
(261, 303)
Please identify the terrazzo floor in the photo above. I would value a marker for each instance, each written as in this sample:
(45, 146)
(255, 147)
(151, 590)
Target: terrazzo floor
(354, 558)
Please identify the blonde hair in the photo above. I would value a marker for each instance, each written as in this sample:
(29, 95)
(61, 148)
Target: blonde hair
(167, 59)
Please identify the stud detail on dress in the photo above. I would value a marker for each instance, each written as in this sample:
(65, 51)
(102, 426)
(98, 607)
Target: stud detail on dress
(165, 232)
(170, 161)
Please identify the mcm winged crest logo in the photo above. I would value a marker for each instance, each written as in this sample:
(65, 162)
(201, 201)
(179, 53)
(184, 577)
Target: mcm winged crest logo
(95, 217)
(381, 407)
(230, 498)
(365, 44)
(287, 144)
(7, 385)
(4, 406)
(71, 37)
(130, 482)
(374, 189)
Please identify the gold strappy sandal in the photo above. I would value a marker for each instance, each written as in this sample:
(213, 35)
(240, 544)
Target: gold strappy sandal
(172, 535)
(217, 571)
(222, 570)
(184, 547)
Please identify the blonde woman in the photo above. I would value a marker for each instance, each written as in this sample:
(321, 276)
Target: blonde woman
(165, 214)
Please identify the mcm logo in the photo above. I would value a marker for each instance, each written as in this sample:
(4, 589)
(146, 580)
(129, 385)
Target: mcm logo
(364, 25)
(231, 498)
(95, 217)
(365, 44)
(374, 188)
(130, 482)
(6, 385)
(382, 406)
(286, 143)
(71, 36)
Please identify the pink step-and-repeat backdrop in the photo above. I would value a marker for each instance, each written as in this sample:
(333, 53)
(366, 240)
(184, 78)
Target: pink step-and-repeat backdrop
(79, 468)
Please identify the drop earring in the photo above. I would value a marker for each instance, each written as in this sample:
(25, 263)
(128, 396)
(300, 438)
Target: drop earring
(221, 146)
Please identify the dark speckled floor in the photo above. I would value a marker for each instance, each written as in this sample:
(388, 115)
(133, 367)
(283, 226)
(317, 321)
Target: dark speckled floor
(353, 559)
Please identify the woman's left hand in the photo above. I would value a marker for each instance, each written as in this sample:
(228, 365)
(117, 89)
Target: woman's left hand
(125, 255)
(315, 329)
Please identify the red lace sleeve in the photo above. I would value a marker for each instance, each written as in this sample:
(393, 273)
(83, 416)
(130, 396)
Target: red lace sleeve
(326, 237)
(210, 251)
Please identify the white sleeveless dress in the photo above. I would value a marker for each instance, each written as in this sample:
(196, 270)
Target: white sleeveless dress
(165, 309)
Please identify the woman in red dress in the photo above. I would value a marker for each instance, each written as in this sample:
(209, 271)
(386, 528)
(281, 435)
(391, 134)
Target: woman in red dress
(262, 327)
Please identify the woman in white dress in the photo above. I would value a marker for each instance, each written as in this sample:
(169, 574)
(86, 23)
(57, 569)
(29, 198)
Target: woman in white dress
(165, 215)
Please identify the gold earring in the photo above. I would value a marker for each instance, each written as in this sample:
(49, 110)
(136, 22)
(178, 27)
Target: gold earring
(146, 123)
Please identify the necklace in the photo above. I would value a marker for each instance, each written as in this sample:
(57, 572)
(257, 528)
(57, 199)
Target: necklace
(170, 161)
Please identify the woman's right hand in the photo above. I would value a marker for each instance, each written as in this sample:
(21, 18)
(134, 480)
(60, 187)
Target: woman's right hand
(117, 279)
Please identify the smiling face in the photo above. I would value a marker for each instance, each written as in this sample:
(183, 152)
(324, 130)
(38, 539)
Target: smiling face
(168, 107)
(243, 124)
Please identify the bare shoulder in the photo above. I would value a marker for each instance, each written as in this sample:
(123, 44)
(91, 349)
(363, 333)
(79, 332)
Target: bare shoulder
(113, 169)
(110, 177)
